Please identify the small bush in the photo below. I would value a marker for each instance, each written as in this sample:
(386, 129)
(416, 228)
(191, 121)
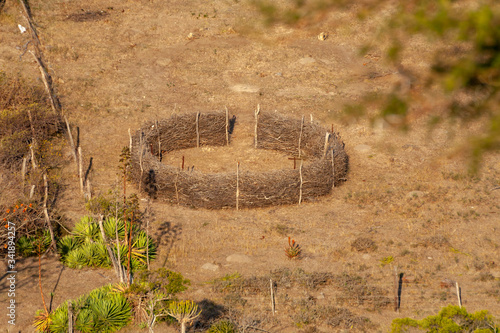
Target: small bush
(293, 251)
(356, 291)
(85, 246)
(27, 246)
(363, 245)
(223, 326)
(450, 319)
(102, 310)
(16, 99)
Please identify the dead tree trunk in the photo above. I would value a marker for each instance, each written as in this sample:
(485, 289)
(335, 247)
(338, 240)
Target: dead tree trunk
(46, 213)
(112, 257)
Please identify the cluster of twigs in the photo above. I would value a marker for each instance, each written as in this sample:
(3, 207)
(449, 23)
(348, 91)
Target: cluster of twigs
(326, 163)
(296, 137)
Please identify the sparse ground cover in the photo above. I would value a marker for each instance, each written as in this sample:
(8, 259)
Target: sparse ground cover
(409, 201)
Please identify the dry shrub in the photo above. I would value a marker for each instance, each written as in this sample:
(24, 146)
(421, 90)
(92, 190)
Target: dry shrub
(435, 242)
(287, 278)
(344, 319)
(215, 191)
(237, 284)
(16, 100)
(307, 312)
(88, 16)
(362, 244)
(355, 291)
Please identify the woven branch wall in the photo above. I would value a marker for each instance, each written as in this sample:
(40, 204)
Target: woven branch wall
(324, 162)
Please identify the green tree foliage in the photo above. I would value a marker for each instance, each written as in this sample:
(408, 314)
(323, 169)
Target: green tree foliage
(466, 64)
(464, 42)
(449, 320)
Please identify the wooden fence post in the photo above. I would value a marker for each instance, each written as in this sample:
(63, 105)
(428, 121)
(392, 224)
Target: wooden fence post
(46, 213)
(301, 130)
(157, 125)
(141, 153)
(256, 123)
(325, 149)
(32, 191)
(237, 185)
(301, 182)
(175, 183)
(227, 127)
(273, 303)
(80, 167)
(197, 129)
(23, 170)
(333, 169)
(396, 303)
(33, 141)
(70, 317)
(71, 142)
(458, 295)
(130, 141)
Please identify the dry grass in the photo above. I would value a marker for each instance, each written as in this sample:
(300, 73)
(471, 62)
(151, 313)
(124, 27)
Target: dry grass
(135, 65)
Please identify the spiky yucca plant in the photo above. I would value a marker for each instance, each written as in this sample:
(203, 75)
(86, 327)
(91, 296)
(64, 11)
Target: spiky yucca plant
(110, 226)
(67, 244)
(85, 246)
(99, 311)
(86, 230)
(28, 245)
(42, 321)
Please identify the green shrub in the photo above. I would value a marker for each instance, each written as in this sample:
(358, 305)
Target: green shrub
(450, 319)
(85, 246)
(223, 326)
(28, 245)
(102, 310)
(66, 245)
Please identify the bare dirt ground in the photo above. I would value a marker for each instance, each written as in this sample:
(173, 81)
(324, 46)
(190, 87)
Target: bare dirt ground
(118, 64)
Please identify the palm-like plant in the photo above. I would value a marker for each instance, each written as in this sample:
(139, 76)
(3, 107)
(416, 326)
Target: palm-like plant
(143, 245)
(67, 244)
(86, 230)
(42, 321)
(85, 247)
(110, 313)
(59, 319)
(100, 311)
(110, 227)
(28, 245)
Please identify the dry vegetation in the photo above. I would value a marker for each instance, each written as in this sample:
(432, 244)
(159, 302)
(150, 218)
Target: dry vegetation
(326, 162)
(408, 201)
